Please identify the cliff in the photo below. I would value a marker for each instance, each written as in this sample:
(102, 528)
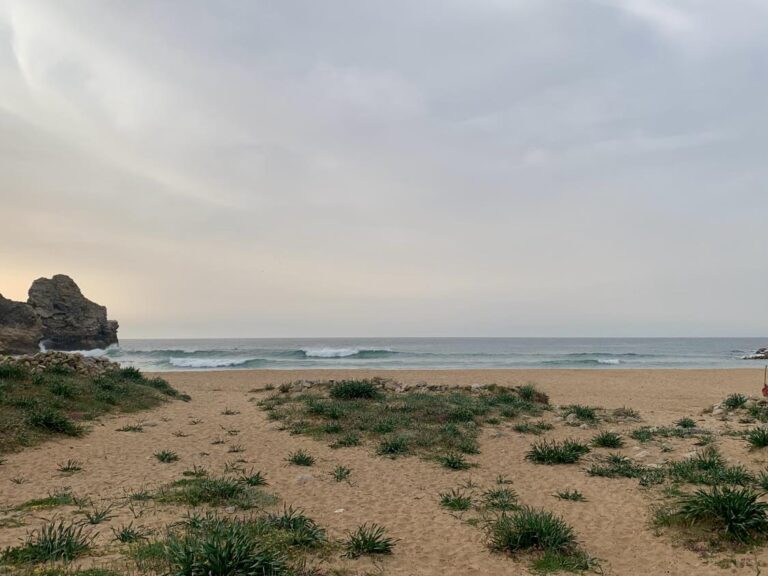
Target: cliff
(56, 314)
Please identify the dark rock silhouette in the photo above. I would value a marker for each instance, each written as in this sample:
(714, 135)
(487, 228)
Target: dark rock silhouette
(20, 328)
(56, 314)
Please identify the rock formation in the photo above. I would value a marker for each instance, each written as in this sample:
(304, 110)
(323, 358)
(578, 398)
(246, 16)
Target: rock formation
(760, 354)
(56, 315)
(20, 327)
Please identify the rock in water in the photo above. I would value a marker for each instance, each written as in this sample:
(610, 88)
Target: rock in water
(69, 320)
(20, 328)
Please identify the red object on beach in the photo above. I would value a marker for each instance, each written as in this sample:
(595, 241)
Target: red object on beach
(765, 390)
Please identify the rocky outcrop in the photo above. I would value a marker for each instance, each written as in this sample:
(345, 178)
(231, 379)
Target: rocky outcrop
(759, 354)
(61, 361)
(70, 320)
(20, 328)
(56, 315)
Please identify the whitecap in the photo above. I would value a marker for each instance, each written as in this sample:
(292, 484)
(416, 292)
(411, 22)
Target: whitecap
(208, 362)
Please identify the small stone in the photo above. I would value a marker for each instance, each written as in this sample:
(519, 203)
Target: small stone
(304, 478)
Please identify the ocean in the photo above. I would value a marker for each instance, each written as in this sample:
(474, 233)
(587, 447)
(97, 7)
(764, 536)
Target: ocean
(434, 353)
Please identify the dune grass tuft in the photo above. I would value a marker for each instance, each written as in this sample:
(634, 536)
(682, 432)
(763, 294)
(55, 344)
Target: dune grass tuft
(54, 541)
(553, 452)
(457, 500)
(608, 440)
(367, 540)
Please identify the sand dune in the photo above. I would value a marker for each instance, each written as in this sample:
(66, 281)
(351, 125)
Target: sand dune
(402, 494)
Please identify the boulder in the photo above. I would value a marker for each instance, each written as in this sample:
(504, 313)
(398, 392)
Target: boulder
(759, 354)
(20, 328)
(70, 321)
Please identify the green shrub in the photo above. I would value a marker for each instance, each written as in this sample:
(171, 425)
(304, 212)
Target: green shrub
(341, 473)
(53, 541)
(51, 420)
(572, 495)
(354, 390)
(454, 462)
(301, 458)
(583, 413)
(395, 446)
(303, 531)
(220, 547)
(214, 492)
(734, 513)
(608, 440)
(500, 499)
(368, 540)
(166, 456)
(616, 466)
(686, 423)
(535, 428)
(530, 529)
(456, 500)
(735, 401)
(758, 437)
(552, 452)
(253, 478)
(127, 534)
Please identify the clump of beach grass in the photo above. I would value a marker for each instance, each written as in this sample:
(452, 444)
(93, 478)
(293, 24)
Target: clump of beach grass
(548, 538)
(535, 428)
(367, 540)
(166, 456)
(301, 458)
(572, 495)
(214, 492)
(730, 513)
(608, 440)
(568, 451)
(457, 500)
(55, 540)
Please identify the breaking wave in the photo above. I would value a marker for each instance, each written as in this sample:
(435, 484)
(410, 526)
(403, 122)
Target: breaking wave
(212, 362)
(346, 352)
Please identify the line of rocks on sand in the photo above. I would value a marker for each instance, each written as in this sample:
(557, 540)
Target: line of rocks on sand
(70, 362)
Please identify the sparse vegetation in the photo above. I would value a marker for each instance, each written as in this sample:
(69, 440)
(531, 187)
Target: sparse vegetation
(341, 473)
(166, 456)
(608, 440)
(70, 466)
(456, 500)
(616, 466)
(735, 401)
(424, 422)
(214, 492)
(758, 437)
(55, 540)
(500, 499)
(686, 423)
(37, 407)
(454, 461)
(586, 414)
(368, 540)
(128, 534)
(253, 478)
(734, 514)
(301, 458)
(535, 428)
(98, 514)
(538, 531)
(572, 495)
(552, 452)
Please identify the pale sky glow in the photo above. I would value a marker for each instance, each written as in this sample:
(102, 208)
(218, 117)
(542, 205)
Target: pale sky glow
(399, 168)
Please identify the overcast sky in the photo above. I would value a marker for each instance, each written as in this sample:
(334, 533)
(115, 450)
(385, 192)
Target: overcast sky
(401, 168)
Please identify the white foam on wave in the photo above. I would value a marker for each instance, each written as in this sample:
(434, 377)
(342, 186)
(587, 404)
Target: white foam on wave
(612, 361)
(339, 352)
(208, 362)
(330, 352)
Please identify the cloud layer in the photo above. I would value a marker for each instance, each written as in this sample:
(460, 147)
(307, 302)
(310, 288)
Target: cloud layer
(526, 167)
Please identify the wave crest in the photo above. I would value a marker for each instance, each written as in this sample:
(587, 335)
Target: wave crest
(209, 362)
(346, 352)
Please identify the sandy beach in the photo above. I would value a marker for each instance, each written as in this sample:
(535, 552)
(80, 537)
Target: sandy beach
(613, 524)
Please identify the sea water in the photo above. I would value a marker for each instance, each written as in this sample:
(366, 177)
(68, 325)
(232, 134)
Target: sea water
(434, 353)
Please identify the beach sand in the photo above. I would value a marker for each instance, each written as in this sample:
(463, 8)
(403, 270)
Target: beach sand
(402, 494)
